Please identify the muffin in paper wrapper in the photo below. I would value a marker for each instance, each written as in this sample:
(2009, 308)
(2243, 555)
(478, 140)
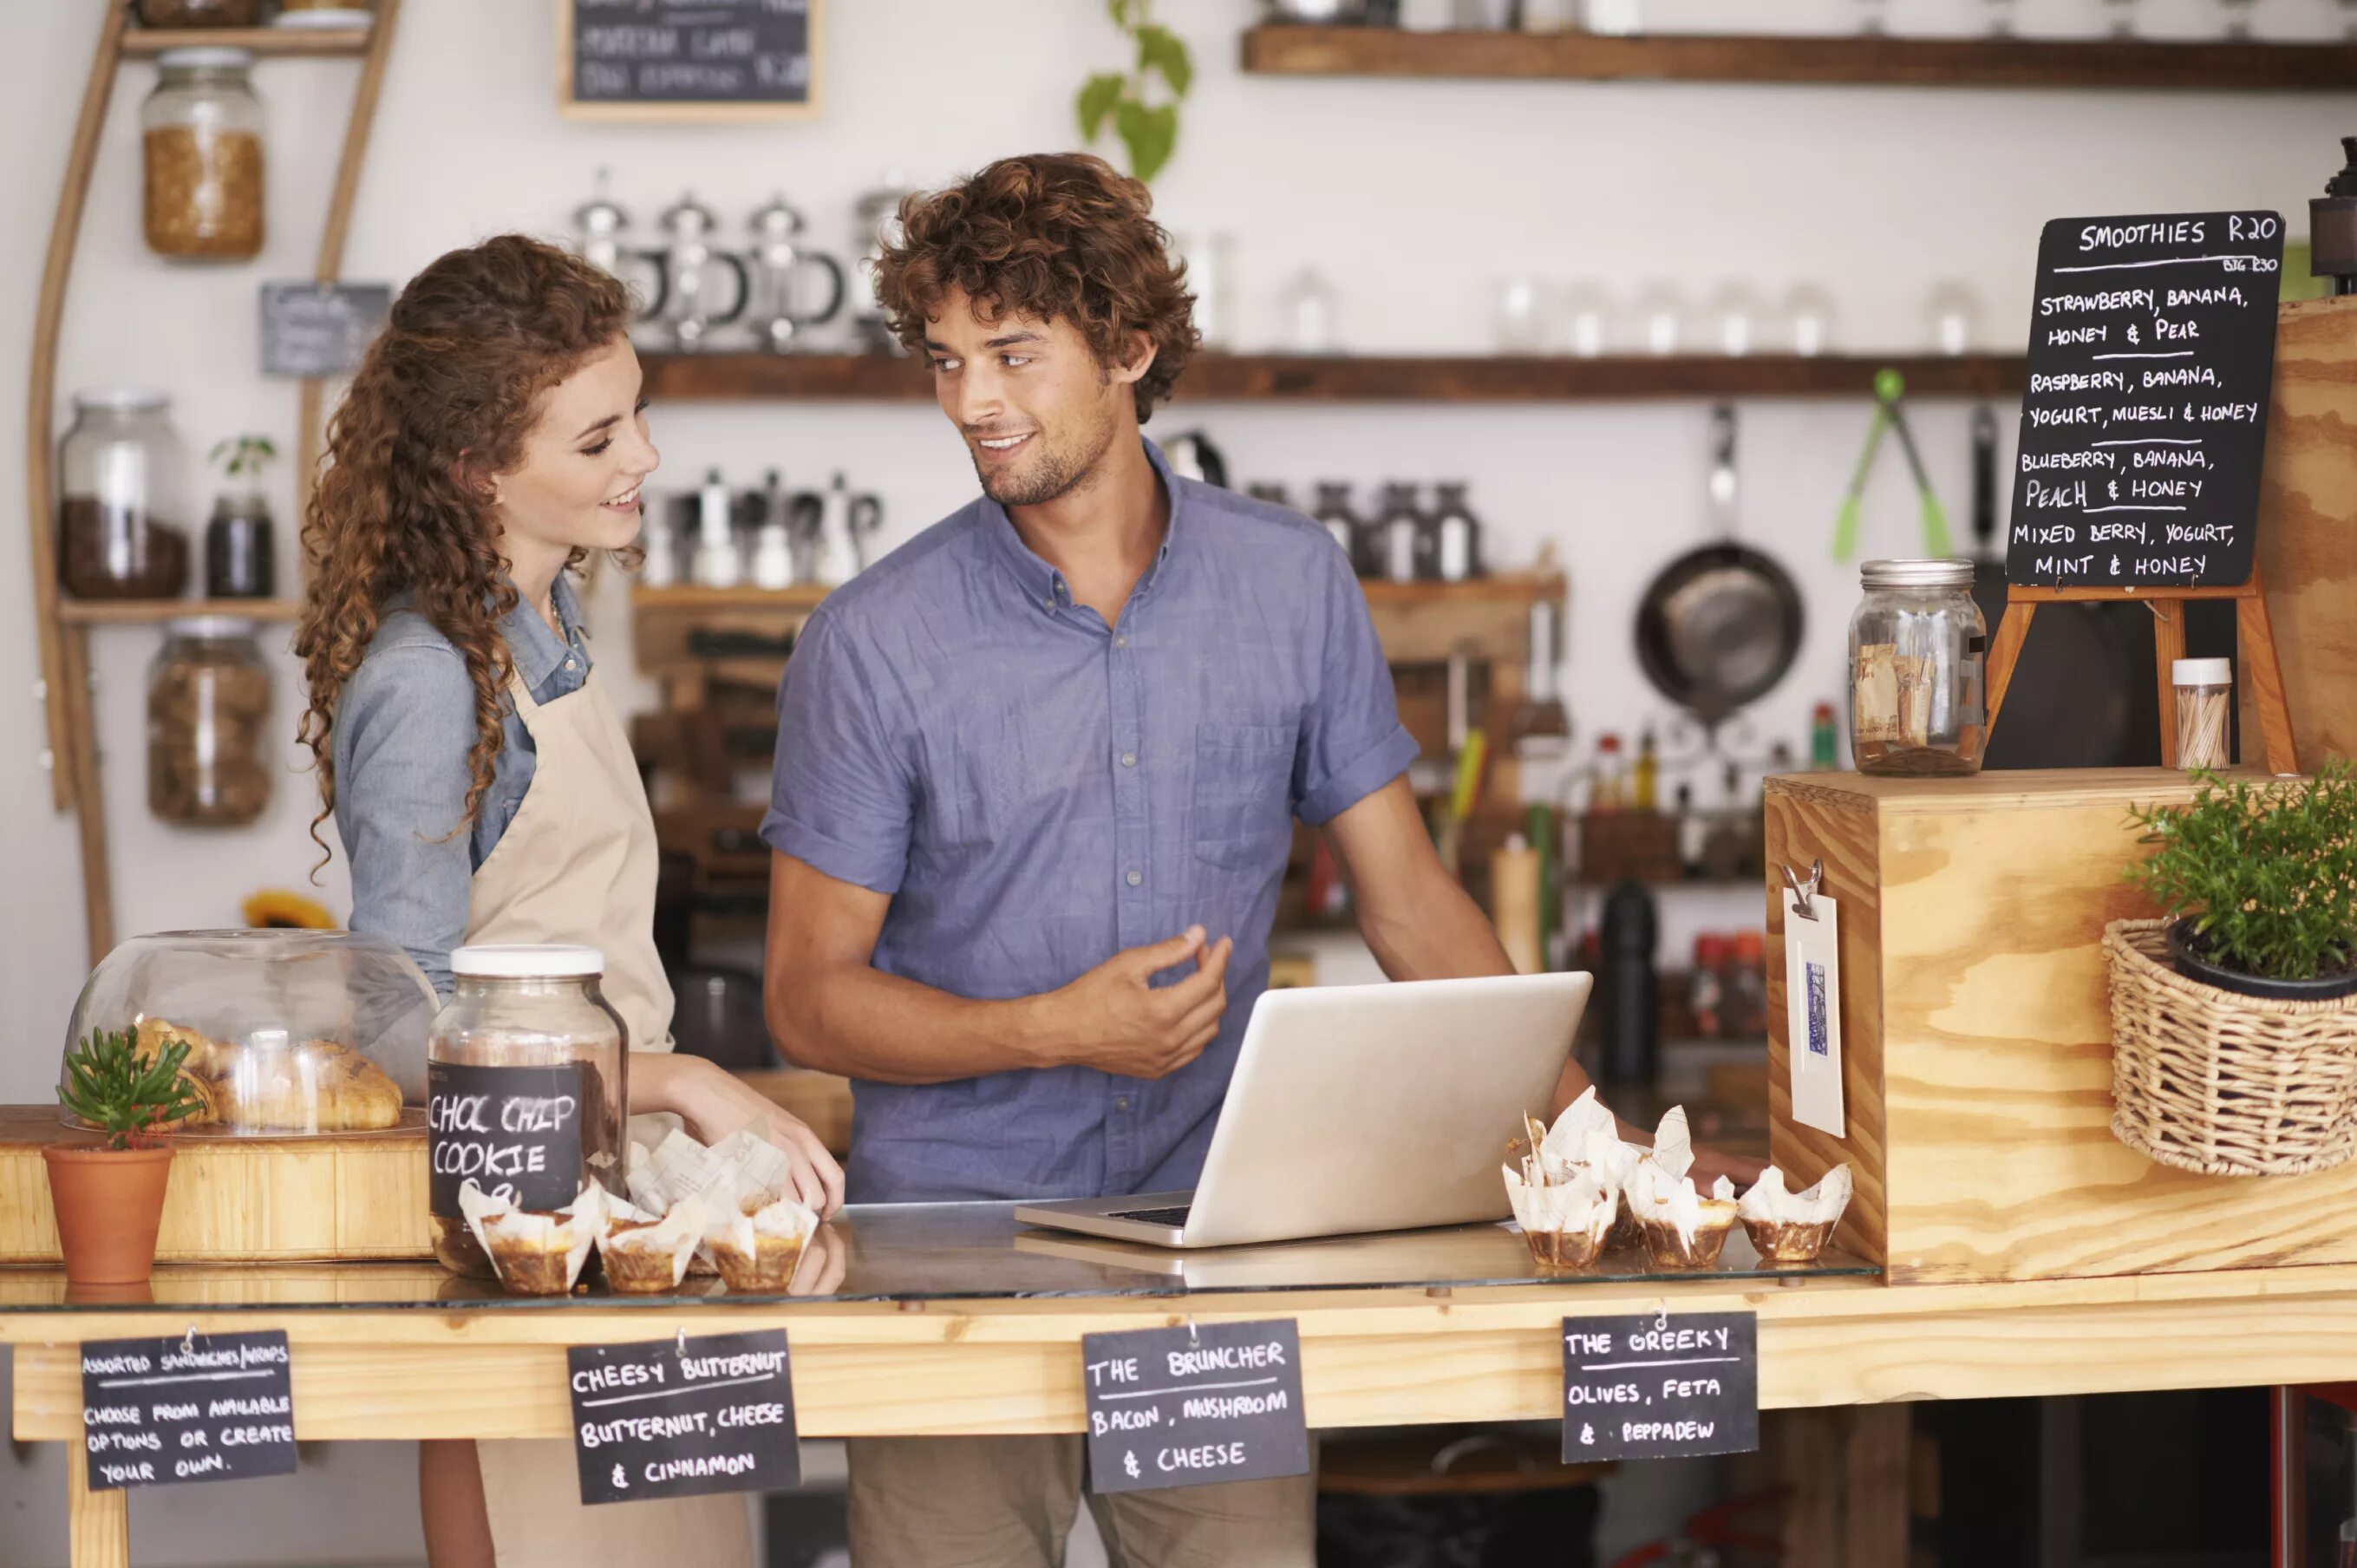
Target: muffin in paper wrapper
(1788, 1227)
(1683, 1229)
(534, 1252)
(1586, 1137)
(1563, 1222)
(757, 1245)
(647, 1255)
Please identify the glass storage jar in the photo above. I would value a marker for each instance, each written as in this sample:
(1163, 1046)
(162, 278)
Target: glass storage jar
(240, 548)
(208, 723)
(199, 12)
(528, 1087)
(289, 1033)
(1917, 644)
(201, 156)
(121, 484)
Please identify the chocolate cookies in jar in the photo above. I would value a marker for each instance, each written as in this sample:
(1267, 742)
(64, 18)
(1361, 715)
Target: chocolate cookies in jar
(208, 737)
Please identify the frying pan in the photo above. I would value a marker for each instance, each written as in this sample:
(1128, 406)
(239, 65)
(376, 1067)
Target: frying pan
(1721, 624)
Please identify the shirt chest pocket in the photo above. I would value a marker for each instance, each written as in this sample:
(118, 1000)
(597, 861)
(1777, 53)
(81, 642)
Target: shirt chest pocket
(1240, 812)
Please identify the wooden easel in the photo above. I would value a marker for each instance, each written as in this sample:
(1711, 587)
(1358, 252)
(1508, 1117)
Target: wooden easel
(2255, 639)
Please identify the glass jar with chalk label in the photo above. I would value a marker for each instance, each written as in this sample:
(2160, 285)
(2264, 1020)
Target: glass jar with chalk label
(1917, 648)
(527, 1087)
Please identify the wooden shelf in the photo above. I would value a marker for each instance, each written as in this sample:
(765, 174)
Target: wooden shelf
(351, 43)
(2202, 64)
(1355, 378)
(148, 612)
(803, 600)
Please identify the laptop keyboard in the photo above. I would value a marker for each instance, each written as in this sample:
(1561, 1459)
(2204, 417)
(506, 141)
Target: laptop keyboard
(1155, 1215)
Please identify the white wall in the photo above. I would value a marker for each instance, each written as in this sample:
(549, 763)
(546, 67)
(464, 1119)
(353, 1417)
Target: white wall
(1412, 197)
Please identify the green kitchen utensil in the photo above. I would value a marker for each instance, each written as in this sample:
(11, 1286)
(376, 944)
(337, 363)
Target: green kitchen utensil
(1889, 389)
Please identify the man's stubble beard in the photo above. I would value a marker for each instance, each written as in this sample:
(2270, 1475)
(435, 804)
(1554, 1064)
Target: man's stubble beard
(1059, 471)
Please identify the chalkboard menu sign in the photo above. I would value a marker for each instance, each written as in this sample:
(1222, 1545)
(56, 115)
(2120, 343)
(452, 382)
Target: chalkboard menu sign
(321, 329)
(1660, 1385)
(688, 58)
(515, 1131)
(2152, 342)
(192, 1407)
(1193, 1406)
(674, 1418)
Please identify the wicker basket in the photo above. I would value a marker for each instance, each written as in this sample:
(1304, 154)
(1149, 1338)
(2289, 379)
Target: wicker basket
(2206, 1080)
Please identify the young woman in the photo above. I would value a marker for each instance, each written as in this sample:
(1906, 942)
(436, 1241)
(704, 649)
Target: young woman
(481, 783)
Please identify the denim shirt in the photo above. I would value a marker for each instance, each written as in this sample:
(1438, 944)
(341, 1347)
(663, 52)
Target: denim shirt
(1036, 791)
(404, 725)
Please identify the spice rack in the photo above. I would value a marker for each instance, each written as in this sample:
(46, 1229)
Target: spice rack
(64, 625)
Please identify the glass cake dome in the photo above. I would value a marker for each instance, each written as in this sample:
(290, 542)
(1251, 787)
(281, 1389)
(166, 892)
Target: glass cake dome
(290, 1034)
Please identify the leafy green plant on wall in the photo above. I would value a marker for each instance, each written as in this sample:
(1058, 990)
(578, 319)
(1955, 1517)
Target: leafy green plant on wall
(1141, 103)
(2266, 871)
(245, 457)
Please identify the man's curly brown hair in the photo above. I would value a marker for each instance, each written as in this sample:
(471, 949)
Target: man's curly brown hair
(1050, 235)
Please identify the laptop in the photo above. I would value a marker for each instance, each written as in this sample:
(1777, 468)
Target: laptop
(1359, 1108)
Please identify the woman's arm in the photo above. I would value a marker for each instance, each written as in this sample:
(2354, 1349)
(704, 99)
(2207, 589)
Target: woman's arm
(715, 1103)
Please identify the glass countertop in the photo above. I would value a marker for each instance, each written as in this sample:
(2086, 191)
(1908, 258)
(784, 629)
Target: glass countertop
(951, 1252)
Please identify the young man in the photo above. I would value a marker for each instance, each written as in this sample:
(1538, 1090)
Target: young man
(1036, 781)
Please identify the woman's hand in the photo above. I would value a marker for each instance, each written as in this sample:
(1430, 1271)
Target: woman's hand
(825, 1258)
(1711, 1163)
(715, 1103)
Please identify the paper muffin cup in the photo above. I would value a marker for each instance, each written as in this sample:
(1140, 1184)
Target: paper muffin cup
(1672, 1248)
(769, 1267)
(1788, 1242)
(637, 1262)
(534, 1266)
(1565, 1249)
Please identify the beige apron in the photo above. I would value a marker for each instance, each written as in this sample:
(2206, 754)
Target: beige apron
(578, 864)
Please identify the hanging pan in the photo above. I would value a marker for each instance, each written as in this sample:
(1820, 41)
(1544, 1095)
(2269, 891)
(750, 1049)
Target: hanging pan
(1721, 624)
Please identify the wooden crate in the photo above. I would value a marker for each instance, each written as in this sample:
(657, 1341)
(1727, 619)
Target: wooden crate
(2308, 525)
(1977, 1038)
(241, 1199)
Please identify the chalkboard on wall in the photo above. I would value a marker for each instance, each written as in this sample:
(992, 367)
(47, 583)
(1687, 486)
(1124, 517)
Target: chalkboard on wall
(688, 59)
(2152, 346)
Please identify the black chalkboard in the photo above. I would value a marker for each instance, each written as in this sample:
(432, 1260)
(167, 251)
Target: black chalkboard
(192, 1407)
(321, 329)
(1659, 1386)
(2152, 342)
(1193, 1406)
(516, 1131)
(675, 1418)
(683, 53)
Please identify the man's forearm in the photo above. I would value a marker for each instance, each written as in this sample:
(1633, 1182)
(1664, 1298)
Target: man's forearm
(858, 1021)
(1435, 932)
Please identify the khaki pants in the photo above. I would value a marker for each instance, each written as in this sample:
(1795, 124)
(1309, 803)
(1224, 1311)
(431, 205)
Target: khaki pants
(1009, 1502)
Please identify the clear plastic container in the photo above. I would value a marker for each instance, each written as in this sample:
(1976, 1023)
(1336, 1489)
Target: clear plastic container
(1917, 645)
(122, 475)
(2204, 690)
(201, 156)
(289, 1033)
(529, 1088)
(209, 724)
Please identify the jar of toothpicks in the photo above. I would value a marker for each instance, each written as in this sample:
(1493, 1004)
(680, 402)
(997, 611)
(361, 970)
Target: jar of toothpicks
(2205, 688)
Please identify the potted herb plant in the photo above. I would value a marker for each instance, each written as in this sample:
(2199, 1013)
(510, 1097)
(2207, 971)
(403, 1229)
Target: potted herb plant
(2259, 878)
(241, 555)
(109, 1195)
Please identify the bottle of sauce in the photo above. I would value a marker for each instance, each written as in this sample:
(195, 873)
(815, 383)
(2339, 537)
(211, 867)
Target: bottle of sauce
(1645, 778)
(1632, 1007)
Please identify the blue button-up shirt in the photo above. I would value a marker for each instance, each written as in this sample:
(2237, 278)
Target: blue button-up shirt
(1037, 791)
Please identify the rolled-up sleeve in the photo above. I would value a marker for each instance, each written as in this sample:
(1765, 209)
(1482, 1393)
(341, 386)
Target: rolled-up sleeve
(841, 796)
(404, 727)
(1352, 743)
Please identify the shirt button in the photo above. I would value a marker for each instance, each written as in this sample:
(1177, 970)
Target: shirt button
(1135, 877)
(1120, 642)
(1129, 760)
(568, 664)
(1122, 1104)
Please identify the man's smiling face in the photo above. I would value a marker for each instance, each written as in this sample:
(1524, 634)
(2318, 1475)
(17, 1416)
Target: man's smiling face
(1036, 407)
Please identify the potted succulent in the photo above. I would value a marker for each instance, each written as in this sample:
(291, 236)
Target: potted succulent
(2259, 878)
(109, 1195)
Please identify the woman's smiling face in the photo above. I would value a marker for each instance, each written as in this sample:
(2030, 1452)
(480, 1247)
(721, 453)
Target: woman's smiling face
(577, 486)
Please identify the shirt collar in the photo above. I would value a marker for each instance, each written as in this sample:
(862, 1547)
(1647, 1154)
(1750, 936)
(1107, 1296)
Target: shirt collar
(1042, 584)
(537, 651)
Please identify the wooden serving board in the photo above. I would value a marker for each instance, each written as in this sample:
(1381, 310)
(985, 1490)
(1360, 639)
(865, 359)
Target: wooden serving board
(355, 1195)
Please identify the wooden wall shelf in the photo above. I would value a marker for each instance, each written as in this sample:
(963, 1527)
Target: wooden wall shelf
(1355, 378)
(150, 612)
(146, 43)
(2199, 64)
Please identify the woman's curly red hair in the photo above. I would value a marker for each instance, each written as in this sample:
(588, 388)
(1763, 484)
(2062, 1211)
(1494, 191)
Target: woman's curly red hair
(1050, 235)
(442, 401)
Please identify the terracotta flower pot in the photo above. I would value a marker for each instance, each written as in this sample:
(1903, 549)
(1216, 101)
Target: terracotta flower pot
(110, 1204)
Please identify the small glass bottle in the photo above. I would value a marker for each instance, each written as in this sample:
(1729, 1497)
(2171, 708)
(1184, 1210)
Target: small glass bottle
(528, 1089)
(1456, 535)
(1746, 986)
(241, 549)
(1605, 797)
(1333, 514)
(1693, 833)
(1398, 531)
(1916, 645)
(201, 156)
(2205, 696)
(1645, 776)
(1706, 993)
(1824, 745)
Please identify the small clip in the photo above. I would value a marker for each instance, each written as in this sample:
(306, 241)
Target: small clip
(1191, 1332)
(679, 1345)
(1661, 1314)
(1804, 891)
(188, 1341)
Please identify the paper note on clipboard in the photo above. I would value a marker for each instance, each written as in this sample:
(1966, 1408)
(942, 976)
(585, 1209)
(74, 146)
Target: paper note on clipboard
(1812, 1010)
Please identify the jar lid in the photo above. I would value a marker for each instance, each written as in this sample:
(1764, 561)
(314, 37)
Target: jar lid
(1938, 572)
(204, 59)
(124, 399)
(209, 625)
(528, 961)
(2201, 672)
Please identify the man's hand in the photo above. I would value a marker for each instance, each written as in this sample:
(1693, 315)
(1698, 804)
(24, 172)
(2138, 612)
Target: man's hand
(1115, 1019)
